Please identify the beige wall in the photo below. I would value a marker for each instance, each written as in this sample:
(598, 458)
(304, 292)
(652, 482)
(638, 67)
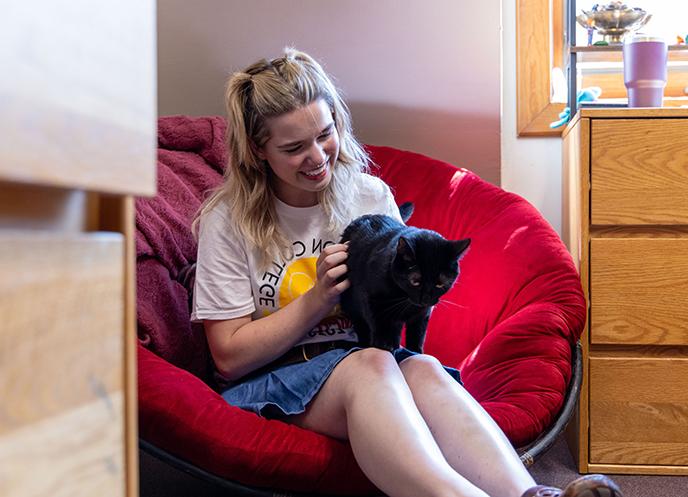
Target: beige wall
(423, 76)
(531, 167)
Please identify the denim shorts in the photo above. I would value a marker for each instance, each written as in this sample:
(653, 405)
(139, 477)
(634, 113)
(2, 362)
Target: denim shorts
(288, 389)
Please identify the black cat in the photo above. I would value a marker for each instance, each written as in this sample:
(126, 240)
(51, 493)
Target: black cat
(397, 274)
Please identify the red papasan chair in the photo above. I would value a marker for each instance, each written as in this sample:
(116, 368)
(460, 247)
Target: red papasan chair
(511, 323)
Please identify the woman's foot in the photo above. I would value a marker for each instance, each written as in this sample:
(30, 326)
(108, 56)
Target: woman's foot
(585, 486)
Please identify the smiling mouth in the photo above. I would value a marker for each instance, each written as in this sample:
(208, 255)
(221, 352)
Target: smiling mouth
(316, 173)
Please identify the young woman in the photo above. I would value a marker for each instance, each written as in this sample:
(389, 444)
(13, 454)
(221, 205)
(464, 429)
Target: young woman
(269, 276)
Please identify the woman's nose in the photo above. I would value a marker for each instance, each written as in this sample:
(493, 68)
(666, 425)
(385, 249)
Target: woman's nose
(317, 154)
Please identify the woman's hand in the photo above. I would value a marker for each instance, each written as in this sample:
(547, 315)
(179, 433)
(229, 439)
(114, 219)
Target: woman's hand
(330, 271)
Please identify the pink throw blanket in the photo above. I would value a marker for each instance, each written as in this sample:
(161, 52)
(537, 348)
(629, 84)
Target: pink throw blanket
(191, 160)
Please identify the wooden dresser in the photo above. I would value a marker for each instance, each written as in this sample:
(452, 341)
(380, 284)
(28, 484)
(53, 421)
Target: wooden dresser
(625, 221)
(77, 143)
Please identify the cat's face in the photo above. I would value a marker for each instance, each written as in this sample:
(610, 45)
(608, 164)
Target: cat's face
(426, 266)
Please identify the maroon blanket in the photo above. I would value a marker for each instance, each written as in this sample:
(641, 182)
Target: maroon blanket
(191, 161)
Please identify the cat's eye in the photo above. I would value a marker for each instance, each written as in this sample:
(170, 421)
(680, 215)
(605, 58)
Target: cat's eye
(439, 285)
(415, 282)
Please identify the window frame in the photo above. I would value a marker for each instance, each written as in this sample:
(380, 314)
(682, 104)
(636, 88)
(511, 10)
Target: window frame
(539, 48)
(536, 52)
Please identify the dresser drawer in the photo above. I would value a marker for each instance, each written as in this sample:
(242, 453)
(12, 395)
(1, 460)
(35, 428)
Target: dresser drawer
(61, 364)
(639, 171)
(639, 291)
(639, 411)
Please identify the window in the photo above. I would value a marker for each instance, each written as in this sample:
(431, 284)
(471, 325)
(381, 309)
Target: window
(540, 48)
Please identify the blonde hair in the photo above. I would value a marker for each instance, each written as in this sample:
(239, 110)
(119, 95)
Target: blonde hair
(264, 90)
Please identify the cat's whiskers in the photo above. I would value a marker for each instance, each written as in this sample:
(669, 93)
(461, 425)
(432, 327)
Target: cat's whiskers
(396, 306)
(451, 303)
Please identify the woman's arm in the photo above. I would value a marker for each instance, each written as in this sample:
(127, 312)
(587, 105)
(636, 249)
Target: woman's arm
(241, 345)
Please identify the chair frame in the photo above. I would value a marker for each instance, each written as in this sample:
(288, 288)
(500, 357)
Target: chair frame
(528, 454)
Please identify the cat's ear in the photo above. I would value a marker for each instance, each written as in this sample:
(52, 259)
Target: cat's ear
(405, 251)
(460, 247)
(405, 210)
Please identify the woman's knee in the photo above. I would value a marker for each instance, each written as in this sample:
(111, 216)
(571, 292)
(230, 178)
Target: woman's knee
(367, 366)
(422, 369)
(370, 363)
(327, 411)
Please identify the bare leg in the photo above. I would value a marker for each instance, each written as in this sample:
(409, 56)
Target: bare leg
(366, 400)
(470, 440)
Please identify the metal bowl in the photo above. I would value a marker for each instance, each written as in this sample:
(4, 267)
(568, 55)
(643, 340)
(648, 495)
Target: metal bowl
(614, 21)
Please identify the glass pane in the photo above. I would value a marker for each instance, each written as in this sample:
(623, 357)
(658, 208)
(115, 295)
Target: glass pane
(603, 66)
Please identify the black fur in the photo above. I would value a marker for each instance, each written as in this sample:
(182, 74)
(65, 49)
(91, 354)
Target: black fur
(395, 272)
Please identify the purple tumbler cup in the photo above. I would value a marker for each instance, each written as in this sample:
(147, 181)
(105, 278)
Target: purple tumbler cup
(645, 70)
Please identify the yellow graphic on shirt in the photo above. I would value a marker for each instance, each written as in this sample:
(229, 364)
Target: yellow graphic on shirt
(299, 277)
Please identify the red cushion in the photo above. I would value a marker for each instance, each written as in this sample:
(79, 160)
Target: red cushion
(508, 323)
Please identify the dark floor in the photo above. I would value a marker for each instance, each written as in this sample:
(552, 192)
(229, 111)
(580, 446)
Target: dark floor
(556, 467)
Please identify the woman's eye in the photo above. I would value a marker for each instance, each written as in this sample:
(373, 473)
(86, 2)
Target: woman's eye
(325, 135)
(292, 150)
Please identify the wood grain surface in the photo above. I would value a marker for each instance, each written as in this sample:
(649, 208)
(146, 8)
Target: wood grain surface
(639, 291)
(61, 362)
(77, 453)
(77, 141)
(61, 298)
(640, 171)
(626, 220)
(575, 216)
(638, 411)
(79, 109)
(534, 111)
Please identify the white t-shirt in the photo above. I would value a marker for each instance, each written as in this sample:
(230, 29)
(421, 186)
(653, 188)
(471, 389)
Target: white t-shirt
(229, 283)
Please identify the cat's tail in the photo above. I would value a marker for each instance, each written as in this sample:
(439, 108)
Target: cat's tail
(405, 210)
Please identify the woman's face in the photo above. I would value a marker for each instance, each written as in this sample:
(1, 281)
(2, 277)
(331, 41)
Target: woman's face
(301, 150)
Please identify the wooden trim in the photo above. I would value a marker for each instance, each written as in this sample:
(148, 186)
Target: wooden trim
(117, 213)
(576, 235)
(584, 206)
(571, 235)
(130, 348)
(635, 113)
(534, 55)
(637, 469)
(539, 123)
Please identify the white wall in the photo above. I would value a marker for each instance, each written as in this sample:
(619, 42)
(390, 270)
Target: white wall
(423, 76)
(531, 167)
